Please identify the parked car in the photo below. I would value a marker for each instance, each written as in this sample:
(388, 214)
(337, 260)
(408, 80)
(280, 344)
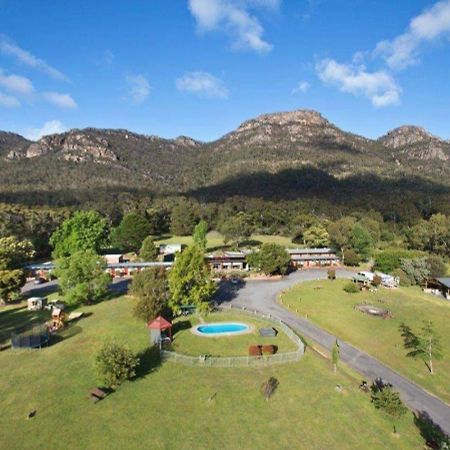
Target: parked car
(39, 280)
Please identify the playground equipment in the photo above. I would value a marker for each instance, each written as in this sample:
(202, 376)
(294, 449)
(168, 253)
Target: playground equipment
(58, 318)
(35, 336)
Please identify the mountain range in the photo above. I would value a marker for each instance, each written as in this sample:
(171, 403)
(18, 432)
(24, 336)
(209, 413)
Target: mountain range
(101, 159)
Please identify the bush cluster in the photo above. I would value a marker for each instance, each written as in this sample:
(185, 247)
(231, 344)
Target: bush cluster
(351, 288)
(269, 349)
(115, 364)
(254, 350)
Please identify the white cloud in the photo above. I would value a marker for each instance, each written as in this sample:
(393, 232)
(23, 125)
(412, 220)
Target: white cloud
(138, 88)
(50, 127)
(203, 84)
(233, 17)
(61, 100)
(404, 50)
(25, 57)
(379, 87)
(8, 101)
(301, 87)
(16, 83)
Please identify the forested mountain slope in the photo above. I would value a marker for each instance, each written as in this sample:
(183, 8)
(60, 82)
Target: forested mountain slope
(299, 150)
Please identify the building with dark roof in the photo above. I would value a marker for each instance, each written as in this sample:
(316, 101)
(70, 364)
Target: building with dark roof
(313, 257)
(438, 286)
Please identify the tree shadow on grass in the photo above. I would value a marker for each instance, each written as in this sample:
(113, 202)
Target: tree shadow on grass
(431, 432)
(14, 318)
(251, 243)
(180, 325)
(65, 334)
(118, 287)
(217, 248)
(149, 361)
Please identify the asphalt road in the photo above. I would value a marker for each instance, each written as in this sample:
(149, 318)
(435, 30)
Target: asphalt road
(262, 296)
(118, 285)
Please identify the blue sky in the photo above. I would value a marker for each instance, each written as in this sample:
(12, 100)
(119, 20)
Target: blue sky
(201, 67)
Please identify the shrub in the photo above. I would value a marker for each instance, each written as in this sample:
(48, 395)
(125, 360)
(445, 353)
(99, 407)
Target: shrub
(404, 279)
(388, 400)
(331, 274)
(351, 258)
(417, 270)
(389, 260)
(437, 266)
(269, 349)
(351, 288)
(376, 280)
(149, 251)
(115, 364)
(254, 350)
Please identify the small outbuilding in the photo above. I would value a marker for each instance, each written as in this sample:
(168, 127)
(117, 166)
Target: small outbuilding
(438, 286)
(36, 303)
(157, 327)
(114, 258)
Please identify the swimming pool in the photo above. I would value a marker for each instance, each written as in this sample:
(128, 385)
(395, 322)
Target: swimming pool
(221, 329)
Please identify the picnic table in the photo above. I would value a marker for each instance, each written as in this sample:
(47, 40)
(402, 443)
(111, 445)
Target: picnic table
(96, 394)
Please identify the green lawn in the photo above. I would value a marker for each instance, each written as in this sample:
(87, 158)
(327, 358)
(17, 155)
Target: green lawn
(188, 343)
(170, 406)
(215, 240)
(333, 309)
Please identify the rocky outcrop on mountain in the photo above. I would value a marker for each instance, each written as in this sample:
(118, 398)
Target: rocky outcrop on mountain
(270, 143)
(296, 127)
(284, 140)
(12, 144)
(187, 141)
(416, 143)
(78, 146)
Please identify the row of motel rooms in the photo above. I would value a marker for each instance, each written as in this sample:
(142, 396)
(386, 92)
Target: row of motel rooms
(227, 261)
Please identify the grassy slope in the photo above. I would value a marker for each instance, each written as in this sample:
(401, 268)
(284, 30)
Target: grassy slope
(168, 406)
(215, 240)
(187, 343)
(333, 309)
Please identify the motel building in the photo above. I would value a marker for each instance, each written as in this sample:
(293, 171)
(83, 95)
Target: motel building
(228, 261)
(303, 258)
(117, 266)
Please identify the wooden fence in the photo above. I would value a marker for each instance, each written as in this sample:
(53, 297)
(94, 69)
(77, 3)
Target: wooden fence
(243, 361)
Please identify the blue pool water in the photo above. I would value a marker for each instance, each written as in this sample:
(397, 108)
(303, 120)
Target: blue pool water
(222, 328)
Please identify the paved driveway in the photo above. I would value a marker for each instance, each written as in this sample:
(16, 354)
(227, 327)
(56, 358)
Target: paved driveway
(262, 296)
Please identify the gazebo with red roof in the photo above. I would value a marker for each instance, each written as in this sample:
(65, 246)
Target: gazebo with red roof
(156, 326)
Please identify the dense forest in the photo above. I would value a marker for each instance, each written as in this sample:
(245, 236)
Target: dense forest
(279, 173)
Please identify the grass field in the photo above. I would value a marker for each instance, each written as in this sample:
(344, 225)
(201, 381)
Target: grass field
(333, 309)
(175, 407)
(215, 240)
(190, 344)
